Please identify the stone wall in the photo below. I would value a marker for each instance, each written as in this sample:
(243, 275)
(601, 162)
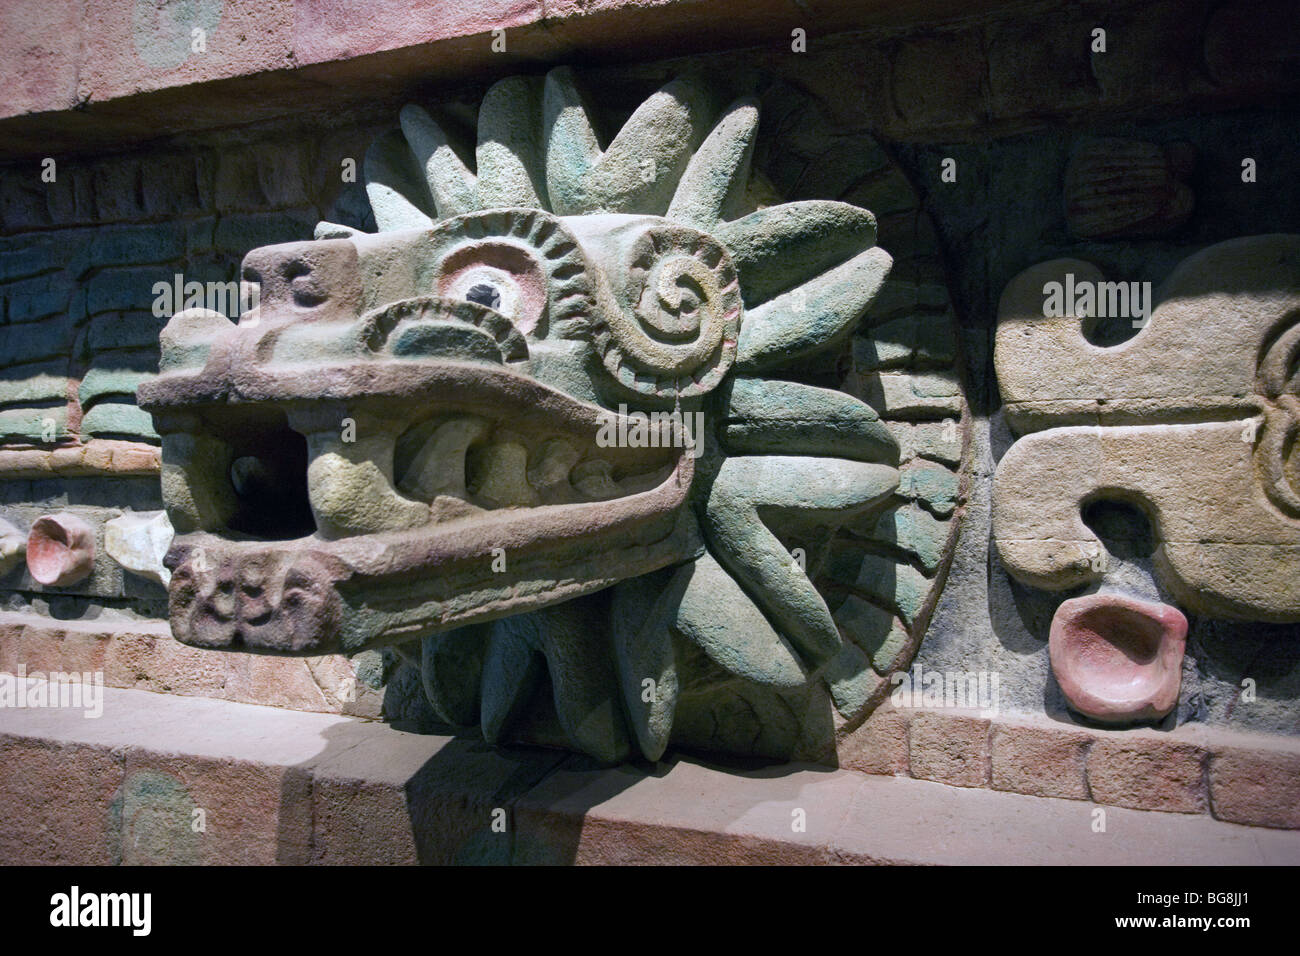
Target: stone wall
(183, 168)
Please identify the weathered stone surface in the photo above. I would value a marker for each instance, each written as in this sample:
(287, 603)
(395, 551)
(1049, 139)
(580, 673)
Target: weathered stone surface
(935, 487)
(141, 655)
(949, 748)
(1041, 761)
(937, 80)
(364, 792)
(1257, 787)
(60, 549)
(1143, 770)
(13, 547)
(879, 745)
(1118, 659)
(1194, 411)
(100, 456)
(474, 386)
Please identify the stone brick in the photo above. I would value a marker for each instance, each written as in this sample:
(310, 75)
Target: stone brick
(282, 172)
(1040, 66)
(1256, 787)
(909, 396)
(183, 809)
(238, 234)
(937, 80)
(117, 290)
(71, 197)
(238, 188)
(96, 457)
(1145, 771)
(54, 810)
(879, 745)
(1042, 761)
(1251, 43)
(25, 256)
(35, 341)
(949, 747)
(137, 245)
(116, 373)
(119, 193)
(199, 237)
(143, 656)
(174, 185)
(31, 299)
(22, 200)
(117, 418)
(372, 793)
(1152, 52)
(124, 330)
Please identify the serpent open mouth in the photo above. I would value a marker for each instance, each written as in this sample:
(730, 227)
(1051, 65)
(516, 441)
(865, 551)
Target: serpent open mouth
(444, 491)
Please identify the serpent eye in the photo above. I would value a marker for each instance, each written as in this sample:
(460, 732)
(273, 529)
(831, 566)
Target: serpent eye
(484, 293)
(523, 263)
(493, 287)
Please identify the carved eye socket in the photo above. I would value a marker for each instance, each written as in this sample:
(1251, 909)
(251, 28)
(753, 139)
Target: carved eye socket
(528, 258)
(490, 286)
(500, 276)
(485, 293)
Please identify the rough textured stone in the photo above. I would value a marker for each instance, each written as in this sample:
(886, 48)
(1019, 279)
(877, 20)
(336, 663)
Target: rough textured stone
(949, 748)
(13, 547)
(1142, 770)
(615, 282)
(275, 783)
(1040, 761)
(937, 80)
(1256, 787)
(1214, 349)
(100, 456)
(141, 655)
(879, 745)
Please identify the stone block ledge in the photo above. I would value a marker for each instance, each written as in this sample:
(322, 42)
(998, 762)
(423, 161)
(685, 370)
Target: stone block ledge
(107, 72)
(1234, 776)
(143, 655)
(99, 457)
(275, 786)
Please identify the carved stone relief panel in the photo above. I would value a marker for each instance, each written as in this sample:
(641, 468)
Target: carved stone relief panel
(549, 433)
(1193, 420)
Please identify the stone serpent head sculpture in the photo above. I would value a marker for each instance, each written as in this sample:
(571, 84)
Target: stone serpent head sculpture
(535, 427)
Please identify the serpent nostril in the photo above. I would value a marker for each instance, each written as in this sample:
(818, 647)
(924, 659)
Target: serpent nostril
(295, 269)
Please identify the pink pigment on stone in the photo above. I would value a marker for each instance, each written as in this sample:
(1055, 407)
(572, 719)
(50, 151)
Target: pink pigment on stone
(60, 549)
(1118, 659)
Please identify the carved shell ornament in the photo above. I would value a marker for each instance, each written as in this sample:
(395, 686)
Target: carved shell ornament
(402, 444)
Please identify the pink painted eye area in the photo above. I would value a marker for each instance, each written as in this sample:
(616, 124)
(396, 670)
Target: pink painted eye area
(500, 275)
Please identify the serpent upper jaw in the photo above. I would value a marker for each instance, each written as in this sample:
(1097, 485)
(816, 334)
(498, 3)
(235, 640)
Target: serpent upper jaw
(459, 485)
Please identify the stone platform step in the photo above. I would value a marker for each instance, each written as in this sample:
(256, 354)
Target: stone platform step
(162, 778)
(143, 655)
